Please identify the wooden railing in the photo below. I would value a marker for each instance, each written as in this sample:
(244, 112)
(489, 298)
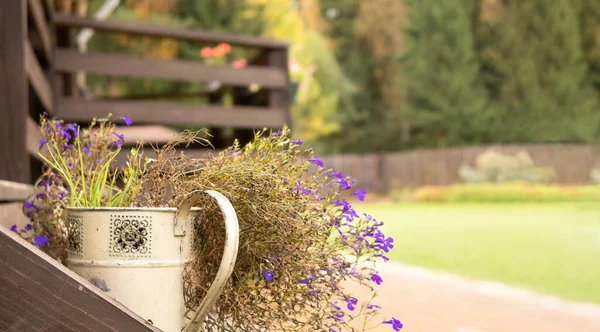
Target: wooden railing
(37, 63)
(272, 77)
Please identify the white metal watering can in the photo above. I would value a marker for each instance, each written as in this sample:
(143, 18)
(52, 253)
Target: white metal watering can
(137, 256)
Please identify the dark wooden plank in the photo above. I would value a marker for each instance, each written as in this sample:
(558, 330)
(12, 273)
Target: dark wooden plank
(33, 138)
(14, 191)
(165, 96)
(68, 60)
(38, 79)
(281, 98)
(62, 20)
(37, 13)
(170, 113)
(14, 164)
(64, 84)
(48, 7)
(40, 294)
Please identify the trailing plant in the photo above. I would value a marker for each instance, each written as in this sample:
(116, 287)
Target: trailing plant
(301, 242)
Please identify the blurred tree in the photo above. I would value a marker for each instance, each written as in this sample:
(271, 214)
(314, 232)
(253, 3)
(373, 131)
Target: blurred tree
(590, 25)
(233, 16)
(537, 74)
(358, 113)
(322, 84)
(222, 15)
(310, 11)
(385, 42)
(446, 104)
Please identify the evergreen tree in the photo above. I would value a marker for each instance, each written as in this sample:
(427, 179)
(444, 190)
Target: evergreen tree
(539, 78)
(358, 113)
(590, 26)
(446, 103)
(385, 42)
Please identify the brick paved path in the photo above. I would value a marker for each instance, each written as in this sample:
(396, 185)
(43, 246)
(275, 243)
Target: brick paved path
(431, 302)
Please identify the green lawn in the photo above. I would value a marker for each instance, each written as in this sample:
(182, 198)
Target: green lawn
(552, 249)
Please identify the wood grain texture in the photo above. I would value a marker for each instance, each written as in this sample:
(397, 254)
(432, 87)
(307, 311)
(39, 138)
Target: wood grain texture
(171, 113)
(68, 60)
(39, 294)
(36, 8)
(62, 20)
(281, 98)
(14, 103)
(38, 79)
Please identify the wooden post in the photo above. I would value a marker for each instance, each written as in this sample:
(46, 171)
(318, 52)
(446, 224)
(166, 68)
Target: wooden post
(14, 159)
(64, 82)
(218, 139)
(280, 98)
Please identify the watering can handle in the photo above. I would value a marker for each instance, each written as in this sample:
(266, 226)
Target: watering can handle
(232, 239)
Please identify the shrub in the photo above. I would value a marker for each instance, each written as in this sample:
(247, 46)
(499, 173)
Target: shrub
(507, 193)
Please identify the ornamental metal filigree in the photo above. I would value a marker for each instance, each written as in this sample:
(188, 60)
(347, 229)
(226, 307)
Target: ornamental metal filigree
(75, 235)
(130, 235)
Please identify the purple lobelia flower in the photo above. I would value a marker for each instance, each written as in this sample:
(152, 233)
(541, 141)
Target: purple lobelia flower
(360, 194)
(376, 278)
(40, 240)
(396, 324)
(127, 120)
(299, 188)
(351, 303)
(268, 276)
(315, 160)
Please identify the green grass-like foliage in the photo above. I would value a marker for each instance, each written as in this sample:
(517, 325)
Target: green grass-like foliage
(549, 248)
(83, 160)
(507, 193)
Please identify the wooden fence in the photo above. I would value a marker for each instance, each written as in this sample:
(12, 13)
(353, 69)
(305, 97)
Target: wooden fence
(389, 171)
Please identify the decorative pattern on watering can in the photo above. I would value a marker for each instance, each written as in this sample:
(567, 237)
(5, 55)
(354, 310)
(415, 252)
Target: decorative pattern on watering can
(130, 235)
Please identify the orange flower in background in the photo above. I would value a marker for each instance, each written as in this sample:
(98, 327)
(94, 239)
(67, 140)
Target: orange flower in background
(218, 52)
(206, 52)
(221, 50)
(239, 63)
(226, 47)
